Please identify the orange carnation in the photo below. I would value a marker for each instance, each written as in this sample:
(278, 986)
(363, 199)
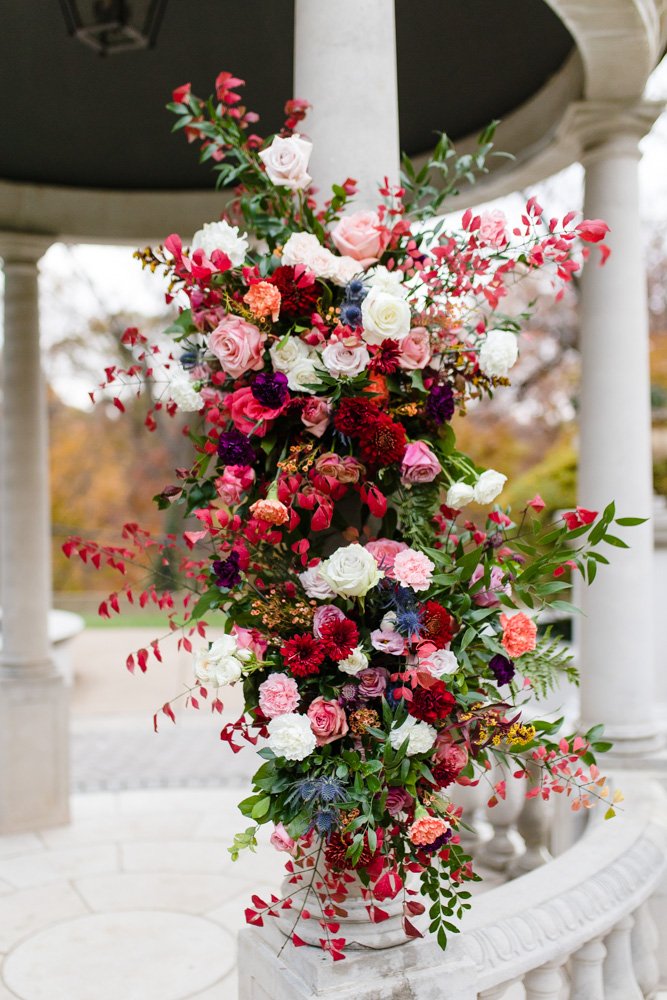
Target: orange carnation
(263, 299)
(427, 829)
(519, 634)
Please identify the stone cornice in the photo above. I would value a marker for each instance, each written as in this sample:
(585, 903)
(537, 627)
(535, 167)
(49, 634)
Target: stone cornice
(23, 249)
(595, 124)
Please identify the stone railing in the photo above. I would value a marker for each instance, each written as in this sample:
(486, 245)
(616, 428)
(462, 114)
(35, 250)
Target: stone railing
(577, 928)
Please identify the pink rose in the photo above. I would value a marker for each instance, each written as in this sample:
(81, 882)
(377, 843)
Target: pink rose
(238, 346)
(452, 755)
(398, 800)
(278, 694)
(327, 720)
(326, 613)
(415, 349)
(493, 228)
(281, 840)
(316, 416)
(419, 464)
(248, 415)
(413, 569)
(234, 482)
(372, 682)
(384, 551)
(489, 598)
(250, 638)
(358, 235)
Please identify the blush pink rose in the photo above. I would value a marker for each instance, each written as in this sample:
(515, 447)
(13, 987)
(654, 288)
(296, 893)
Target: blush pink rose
(519, 634)
(278, 694)
(384, 551)
(316, 416)
(234, 482)
(453, 755)
(238, 346)
(419, 464)
(248, 415)
(413, 569)
(327, 720)
(493, 228)
(358, 236)
(281, 840)
(489, 598)
(250, 638)
(415, 349)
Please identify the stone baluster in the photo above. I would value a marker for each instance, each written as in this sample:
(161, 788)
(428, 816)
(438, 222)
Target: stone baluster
(471, 799)
(503, 847)
(619, 976)
(544, 983)
(533, 824)
(644, 942)
(496, 992)
(586, 979)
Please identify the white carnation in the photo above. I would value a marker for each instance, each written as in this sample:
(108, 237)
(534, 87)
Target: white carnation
(291, 737)
(460, 495)
(440, 662)
(351, 571)
(184, 394)
(285, 355)
(302, 375)
(315, 586)
(498, 353)
(221, 236)
(356, 661)
(387, 281)
(345, 362)
(286, 161)
(420, 736)
(488, 486)
(385, 316)
(306, 249)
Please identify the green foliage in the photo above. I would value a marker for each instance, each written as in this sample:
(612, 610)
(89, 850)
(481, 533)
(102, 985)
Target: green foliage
(547, 664)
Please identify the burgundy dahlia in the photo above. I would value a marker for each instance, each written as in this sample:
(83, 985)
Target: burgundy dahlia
(298, 289)
(383, 443)
(302, 655)
(385, 359)
(354, 415)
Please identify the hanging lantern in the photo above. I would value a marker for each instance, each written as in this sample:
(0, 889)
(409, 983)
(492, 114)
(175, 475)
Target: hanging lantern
(111, 26)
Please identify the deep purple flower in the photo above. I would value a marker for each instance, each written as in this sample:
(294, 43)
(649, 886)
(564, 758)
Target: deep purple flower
(502, 668)
(227, 572)
(234, 448)
(440, 403)
(270, 389)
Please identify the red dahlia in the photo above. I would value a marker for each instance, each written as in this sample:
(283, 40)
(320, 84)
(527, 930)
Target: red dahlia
(340, 637)
(383, 442)
(303, 654)
(431, 704)
(298, 289)
(354, 415)
(438, 625)
(385, 359)
(338, 844)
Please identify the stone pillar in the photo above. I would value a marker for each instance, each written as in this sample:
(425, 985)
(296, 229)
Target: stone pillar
(345, 65)
(34, 781)
(616, 630)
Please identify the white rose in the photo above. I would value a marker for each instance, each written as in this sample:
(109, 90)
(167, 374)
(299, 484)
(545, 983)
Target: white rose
(356, 661)
(345, 362)
(184, 394)
(420, 736)
(459, 495)
(315, 585)
(498, 353)
(488, 486)
(302, 375)
(440, 662)
(351, 571)
(226, 645)
(388, 623)
(306, 249)
(345, 269)
(291, 737)
(218, 670)
(285, 355)
(286, 161)
(221, 236)
(384, 316)
(388, 281)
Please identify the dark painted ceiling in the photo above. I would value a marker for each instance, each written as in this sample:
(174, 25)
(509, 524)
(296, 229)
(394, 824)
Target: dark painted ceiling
(72, 118)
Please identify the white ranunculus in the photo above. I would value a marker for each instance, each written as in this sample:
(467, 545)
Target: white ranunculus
(384, 316)
(351, 571)
(488, 486)
(498, 353)
(388, 623)
(315, 586)
(440, 662)
(221, 236)
(302, 375)
(291, 737)
(306, 249)
(286, 161)
(460, 495)
(420, 736)
(388, 281)
(345, 362)
(285, 355)
(345, 269)
(352, 664)
(184, 394)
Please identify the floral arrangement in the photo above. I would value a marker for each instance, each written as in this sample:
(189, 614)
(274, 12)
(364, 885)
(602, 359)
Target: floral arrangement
(383, 629)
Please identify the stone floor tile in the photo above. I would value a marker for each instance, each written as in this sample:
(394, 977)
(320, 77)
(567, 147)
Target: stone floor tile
(93, 805)
(54, 866)
(182, 893)
(226, 989)
(19, 843)
(5, 887)
(117, 828)
(206, 856)
(136, 956)
(29, 910)
(266, 866)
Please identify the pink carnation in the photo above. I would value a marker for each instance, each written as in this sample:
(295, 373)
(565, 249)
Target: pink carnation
(519, 634)
(419, 464)
(415, 349)
(278, 695)
(327, 720)
(493, 228)
(384, 551)
(413, 569)
(238, 346)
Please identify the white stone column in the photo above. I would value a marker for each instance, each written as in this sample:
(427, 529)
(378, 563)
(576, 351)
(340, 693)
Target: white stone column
(616, 632)
(345, 65)
(33, 703)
